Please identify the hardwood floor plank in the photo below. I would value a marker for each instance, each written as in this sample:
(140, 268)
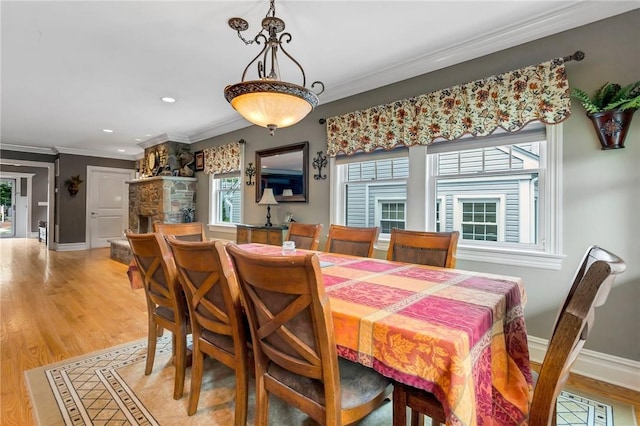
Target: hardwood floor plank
(58, 305)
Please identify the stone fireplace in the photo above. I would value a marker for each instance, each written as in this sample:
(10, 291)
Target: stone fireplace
(160, 199)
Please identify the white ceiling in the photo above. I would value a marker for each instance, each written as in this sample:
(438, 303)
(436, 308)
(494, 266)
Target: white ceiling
(72, 68)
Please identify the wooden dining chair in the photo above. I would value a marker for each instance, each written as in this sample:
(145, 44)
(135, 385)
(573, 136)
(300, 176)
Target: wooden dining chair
(293, 342)
(590, 288)
(217, 320)
(351, 240)
(305, 235)
(192, 231)
(166, 304)
(424, 248)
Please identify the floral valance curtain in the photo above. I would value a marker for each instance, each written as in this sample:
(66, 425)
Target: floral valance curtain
(509, 100)
(222, 159)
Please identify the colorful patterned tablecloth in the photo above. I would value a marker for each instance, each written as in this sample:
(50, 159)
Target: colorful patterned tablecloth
(458, 334)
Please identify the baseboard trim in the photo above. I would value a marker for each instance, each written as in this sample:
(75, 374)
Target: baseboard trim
(69, 246)
(597, 365)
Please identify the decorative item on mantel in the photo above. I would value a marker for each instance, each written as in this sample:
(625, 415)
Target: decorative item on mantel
(73, 185)
(318, 163)
(250, 172)
(189, 214)
(268, 101)
(268, 199)
(611, 109)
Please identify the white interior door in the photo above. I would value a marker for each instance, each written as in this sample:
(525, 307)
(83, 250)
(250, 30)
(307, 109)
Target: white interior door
(107, 204)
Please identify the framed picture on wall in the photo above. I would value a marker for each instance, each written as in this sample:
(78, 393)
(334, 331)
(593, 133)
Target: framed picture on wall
(199, 161)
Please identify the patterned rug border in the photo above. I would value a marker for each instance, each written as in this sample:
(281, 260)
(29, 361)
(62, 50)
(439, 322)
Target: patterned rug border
(41, 382)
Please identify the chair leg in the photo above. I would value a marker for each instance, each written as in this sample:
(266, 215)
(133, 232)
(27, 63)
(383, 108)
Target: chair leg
(242, 390)
(262, 403)
(399, 406)
(196, 379)
(151, 345)
(180, 349)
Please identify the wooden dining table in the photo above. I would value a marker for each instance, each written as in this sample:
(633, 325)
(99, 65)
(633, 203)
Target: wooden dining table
(457, 334)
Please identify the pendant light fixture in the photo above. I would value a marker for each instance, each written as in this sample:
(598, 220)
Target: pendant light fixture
(268, 101)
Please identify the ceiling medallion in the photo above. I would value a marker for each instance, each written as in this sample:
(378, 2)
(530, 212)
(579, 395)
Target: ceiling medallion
(268, 101)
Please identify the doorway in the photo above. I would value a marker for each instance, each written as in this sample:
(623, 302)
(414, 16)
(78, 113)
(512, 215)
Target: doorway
(7, 207)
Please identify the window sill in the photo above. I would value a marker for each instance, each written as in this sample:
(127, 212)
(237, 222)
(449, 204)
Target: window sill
(501, 256)
(223, 229)
(525, 258)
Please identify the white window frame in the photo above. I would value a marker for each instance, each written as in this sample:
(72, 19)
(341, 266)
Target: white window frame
(421, 194)
(499, 199)
(214, 215)
(378, 210)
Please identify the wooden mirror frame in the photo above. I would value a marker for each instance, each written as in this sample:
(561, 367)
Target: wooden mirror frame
(262, 156)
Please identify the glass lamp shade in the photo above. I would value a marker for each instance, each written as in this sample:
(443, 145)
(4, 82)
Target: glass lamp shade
(269, 103)
(267, 197)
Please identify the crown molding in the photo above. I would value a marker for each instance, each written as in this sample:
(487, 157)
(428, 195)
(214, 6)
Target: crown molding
(27, 148)
(164, 137)
(219, 129)
(94, 153)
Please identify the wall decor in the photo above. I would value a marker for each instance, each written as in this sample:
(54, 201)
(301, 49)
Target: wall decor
(611, 109)
(250, 172)
(319, 163)
(199, 161)
(73, 185)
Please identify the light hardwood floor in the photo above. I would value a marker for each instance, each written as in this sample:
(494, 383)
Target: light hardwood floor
(57, 305)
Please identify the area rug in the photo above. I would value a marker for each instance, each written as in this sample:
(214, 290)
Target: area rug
(110, 388)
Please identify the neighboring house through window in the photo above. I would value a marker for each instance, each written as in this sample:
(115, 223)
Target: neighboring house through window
(500, 192)
(226, 199)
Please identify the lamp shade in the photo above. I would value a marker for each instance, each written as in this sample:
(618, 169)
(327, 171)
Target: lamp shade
(287, 193)
(267, 197)
(271, 104)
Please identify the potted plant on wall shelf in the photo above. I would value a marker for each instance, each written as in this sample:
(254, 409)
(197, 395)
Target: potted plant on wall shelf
(611, 109)
(73, 185)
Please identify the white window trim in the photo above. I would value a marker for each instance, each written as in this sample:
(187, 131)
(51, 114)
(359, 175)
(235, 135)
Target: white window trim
(500, 211)
(421, 193)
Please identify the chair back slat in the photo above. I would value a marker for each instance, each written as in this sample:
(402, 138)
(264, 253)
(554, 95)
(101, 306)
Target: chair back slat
(351, 240)
(192, 231)
(424, 248)
(305, 235)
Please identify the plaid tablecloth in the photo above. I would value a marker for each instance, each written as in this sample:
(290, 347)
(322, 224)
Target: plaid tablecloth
(458, 334)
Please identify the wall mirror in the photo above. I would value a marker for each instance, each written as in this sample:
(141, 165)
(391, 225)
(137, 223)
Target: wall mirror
(285, 170)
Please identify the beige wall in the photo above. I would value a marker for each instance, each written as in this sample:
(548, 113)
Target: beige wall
(601, 189)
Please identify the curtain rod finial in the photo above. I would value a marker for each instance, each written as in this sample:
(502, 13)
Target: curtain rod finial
(577, 56)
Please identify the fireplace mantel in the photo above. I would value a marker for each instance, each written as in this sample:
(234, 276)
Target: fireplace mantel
(171, 178)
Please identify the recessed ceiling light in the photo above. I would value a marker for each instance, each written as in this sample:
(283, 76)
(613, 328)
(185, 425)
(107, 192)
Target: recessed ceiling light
(138, 139)
(121, 150)
(168, 100)
(107, 130)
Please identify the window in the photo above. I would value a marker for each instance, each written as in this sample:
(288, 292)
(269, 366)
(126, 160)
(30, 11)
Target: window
(501, 192)
(390, 214)
(375, 193)
(226, 199)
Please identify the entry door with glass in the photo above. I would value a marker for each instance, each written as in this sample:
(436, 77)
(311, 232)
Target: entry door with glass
(7, 207)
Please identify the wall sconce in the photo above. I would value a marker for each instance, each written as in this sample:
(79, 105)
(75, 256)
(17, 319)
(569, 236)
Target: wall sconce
(318, 163)
(250, 172)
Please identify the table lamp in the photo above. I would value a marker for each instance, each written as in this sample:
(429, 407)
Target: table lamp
(268, 199)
